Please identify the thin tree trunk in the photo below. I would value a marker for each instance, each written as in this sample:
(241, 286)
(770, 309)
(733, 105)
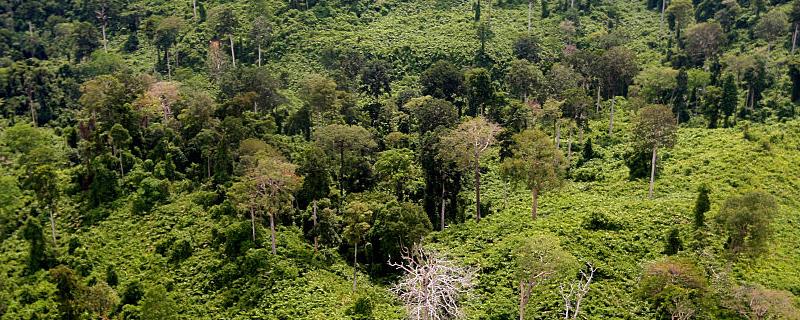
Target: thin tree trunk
(530, 11)
(314, 219)
(535, 204)
(233, 54)
(105, 40)
(208, 167)
(597, 105)
(441, 213)
(355, 263)
(169, 68)
(253, 223)
(477, 193)
(663, 8)
(272, 229)
(53, 225)
(569, 147)
(653, 172)
(259, 54)
(558, 134)
(194, 9)
(121, 167)
(794, 36)
(611, 119)
(522, 300)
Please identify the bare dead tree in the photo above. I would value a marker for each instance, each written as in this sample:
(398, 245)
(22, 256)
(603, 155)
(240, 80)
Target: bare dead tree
(431, 286)
(574, 293)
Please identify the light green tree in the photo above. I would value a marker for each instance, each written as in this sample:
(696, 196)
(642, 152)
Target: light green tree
(536, 163)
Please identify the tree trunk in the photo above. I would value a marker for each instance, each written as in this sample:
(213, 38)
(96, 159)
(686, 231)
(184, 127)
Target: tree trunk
(121, 167)
(523, 301)
(272, 230)
(569, 147)
(259, 54)
(233, 54)
(653, 171)
(535, 204)
(794, 36)
(208, 167)
(441, 213)
(355, 263)
(611, 119)
(105, 40)
(477, 192)
(53, 225)
(314, 219)
(194, 9)
(661, 20)
(530, 11)
(253, 223)
(558, 135)
(597, 105)
(169, 68)
(341, 174)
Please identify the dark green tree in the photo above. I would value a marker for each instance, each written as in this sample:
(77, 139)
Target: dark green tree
(442, 80)
(746, 219)
(729, 99)
(701, 206)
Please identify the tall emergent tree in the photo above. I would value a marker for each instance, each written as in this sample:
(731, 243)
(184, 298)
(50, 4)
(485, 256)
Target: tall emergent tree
(655, 128)
(260, 34)
(344, 143)
(466, 145)
(536, 163)
(269, 183)
(223, 21)
(357, 216)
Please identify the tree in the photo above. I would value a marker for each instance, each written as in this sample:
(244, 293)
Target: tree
(223, 21)
(701, 206)
(703, 41)
(757, 302)
(674, 286)
(431, 285)
(680, 14)
(772, 26)
(357, 216)
(166, 35)
(746, 219)
(104, 10)
(655, 128)
(43, 179)
(539, 259)
(730, 98)
(479, 89)
(712, 98)
(431, 113)
(524, 79)
(376, 77)
(442, 80)
(465, 146)
(528, 47)
(617, 67)
(157, 304)
(795, 18)
(261, 34)
(119, 138)
(680, 106)
(728, 13)
(344, 143)
(100, 299)
(577, 290)
(536, 163)
(269, 184)
(398, 171)
(320, 94)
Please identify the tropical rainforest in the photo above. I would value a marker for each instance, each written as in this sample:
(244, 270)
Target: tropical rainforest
(399, 159)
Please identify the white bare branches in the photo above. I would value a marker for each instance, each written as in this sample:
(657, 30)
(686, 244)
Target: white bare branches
(574, 293)
(431, 286)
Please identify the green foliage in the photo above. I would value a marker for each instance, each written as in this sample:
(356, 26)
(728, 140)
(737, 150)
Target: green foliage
(701, 206)
(747, 221)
